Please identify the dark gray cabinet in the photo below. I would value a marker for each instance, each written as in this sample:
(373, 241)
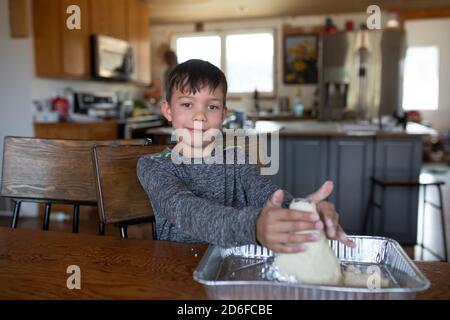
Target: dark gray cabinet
(398, 158)
(280, 177)
(350, 168)
(306, 160)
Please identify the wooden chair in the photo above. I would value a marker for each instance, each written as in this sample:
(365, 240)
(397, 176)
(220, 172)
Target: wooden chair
(51, 171)
(121, 199)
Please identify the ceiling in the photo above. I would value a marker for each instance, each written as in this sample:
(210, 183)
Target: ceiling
(182, 11)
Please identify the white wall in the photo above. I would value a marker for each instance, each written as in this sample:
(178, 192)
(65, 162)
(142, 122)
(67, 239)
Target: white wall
(43, 88)
(435, 32)
(16, 72)
(160, 36)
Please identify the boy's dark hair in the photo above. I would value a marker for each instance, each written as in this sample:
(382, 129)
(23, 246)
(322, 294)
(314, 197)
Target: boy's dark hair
(193, 75)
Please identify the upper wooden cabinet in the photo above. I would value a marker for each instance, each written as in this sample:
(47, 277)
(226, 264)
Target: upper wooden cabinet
(109, 18)
(138, 34)
(60, 52)
(64, 53)
(47, 40)
(75, 45)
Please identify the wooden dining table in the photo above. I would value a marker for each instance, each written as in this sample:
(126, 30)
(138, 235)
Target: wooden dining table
(37, 264)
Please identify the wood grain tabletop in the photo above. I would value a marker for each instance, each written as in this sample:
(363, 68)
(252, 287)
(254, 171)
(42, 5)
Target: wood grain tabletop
(33, 265)
(438, 273)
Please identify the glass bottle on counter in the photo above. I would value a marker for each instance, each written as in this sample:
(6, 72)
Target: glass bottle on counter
(298, 105)
(256, 100)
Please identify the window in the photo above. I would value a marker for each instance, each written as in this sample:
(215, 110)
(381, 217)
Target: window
(247, 59)
(421, 79)
(205, 48)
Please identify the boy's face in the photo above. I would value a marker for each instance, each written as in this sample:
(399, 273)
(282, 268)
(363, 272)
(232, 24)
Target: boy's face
(196, 113)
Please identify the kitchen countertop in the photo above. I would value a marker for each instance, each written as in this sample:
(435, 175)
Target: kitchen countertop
(317, 128)
(279, 116)
(314, 128)
(140, 119)
(85, 120)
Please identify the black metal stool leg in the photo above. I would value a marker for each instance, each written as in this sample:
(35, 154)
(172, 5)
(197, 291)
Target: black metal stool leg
(123, 231)
(76, 213)
(48, 208)
(444, 236)
(15, 216)
(101, 228)
(382, 213)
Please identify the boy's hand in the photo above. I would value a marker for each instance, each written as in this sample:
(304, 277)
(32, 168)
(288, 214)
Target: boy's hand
(328, 214)
(276, 227)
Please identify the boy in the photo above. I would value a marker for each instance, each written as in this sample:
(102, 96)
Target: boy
(223, 204)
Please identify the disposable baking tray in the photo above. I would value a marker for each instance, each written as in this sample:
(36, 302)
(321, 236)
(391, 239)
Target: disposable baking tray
(238, 273)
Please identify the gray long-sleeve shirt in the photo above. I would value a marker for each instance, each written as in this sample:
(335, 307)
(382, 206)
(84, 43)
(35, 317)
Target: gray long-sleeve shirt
(205, 203)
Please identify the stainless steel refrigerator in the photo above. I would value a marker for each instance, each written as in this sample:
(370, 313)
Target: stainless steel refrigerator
(361, 74)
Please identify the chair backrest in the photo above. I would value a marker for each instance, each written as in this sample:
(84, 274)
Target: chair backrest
(120, 195)
(51, 169)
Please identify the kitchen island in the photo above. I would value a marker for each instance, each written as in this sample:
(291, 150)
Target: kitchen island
(350, 154)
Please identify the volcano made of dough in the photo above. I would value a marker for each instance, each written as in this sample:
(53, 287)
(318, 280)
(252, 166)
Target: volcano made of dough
(317, 264)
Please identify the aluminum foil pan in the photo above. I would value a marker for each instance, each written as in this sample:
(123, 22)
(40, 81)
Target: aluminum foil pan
(246, 273)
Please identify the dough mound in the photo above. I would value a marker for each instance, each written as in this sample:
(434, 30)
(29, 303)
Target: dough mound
(318, 264)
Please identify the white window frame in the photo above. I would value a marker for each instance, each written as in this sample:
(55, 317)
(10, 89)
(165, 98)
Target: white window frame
(223, 61)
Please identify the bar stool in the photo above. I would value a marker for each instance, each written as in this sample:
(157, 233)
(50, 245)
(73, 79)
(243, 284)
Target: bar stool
(423, 182)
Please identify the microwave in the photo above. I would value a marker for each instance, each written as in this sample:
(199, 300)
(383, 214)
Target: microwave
(112, 58)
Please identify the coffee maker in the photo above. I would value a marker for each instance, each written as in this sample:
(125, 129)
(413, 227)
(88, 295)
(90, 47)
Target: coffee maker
(98, 105)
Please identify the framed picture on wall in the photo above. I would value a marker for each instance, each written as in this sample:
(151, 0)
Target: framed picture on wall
(300, 58)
